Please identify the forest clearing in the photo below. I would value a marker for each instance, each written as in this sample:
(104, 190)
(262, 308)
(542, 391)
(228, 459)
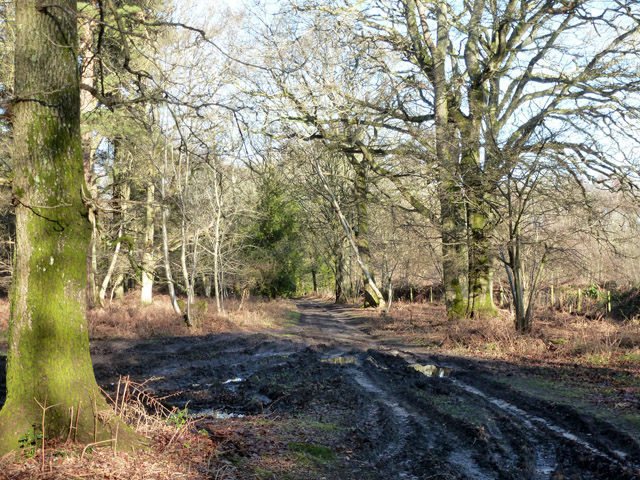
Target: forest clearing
(307, 389)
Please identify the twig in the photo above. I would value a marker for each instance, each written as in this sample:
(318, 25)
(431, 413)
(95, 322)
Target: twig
(89, 445)
(115, 405)
(75, 432)
(44, 413)
(70, 424)
(95, 420)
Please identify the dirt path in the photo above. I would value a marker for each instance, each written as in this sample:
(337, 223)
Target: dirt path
(403, 414)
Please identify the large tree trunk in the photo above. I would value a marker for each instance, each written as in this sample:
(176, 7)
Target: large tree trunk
(371, 298)
(454, 262)
(480, 264)
(48, 359)
(454, 256)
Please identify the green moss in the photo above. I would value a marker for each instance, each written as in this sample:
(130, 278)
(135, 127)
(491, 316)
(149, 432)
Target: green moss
(458, 306)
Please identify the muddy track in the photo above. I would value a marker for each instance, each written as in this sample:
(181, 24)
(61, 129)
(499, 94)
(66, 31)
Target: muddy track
(401, 423)
(469, 426)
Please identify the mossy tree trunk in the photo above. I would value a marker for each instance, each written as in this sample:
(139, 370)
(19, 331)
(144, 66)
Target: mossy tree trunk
(48, 358)
(454, 251)
(478, 174)
(480, 263)
(452, 214)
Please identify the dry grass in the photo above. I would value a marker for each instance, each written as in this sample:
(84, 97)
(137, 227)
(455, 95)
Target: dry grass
(177, 450)
(181, 448)
(126, 318)
(259, 314)
(555, 336)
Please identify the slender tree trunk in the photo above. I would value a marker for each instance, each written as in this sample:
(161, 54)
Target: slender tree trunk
(523, 297)
(217, 185)
(48, 362)
(167, 262)
(185, 272)
(314, 279)
(125, 193)
(194, 263)
(206, 284)
(339, 267)
(112, 266)
(118, 287)
(165, 236)
(183, 185)
(148, 261)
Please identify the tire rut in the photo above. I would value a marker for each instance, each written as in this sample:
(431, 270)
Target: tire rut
(463, 430)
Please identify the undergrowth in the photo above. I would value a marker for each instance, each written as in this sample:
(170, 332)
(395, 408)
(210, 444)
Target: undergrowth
(126, 318)
(555, 336)
(176, 450)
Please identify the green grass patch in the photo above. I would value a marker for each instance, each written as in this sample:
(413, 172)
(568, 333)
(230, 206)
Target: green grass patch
(291, 318)
(546, 389)
(317, 452)
(585, 399)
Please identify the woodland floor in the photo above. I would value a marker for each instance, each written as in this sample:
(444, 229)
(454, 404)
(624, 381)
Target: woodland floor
(321, 391)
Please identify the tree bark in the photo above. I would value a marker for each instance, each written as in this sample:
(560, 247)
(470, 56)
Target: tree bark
(48, 359)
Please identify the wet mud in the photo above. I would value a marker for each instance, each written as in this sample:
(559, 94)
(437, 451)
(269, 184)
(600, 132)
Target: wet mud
(403, 413)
